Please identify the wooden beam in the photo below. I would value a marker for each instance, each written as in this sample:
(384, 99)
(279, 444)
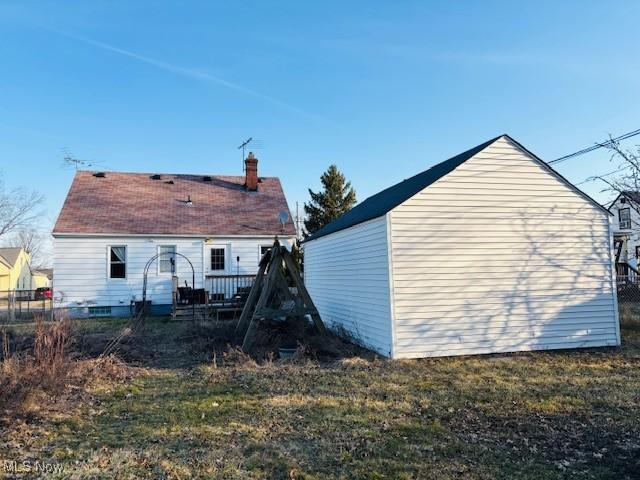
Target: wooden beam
(271, 313)
(302, 290)
(264, 296)
(253, 295)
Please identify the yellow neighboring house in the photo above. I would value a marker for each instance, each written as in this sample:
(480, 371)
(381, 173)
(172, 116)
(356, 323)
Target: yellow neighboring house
(15, 271)
(41, 278)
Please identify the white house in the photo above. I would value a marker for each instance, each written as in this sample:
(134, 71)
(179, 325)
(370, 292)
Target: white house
(626, 227)
(489, 251)
(208, 231)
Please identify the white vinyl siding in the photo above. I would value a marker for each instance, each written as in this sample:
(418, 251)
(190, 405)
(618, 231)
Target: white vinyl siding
(82, 269)
(246, 249)
(500, 255)
(347, 276)
(631, 236)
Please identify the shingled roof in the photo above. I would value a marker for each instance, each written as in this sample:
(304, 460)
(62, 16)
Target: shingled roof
(386, 200)
(382, 202)
(147, 204)
(10, 255)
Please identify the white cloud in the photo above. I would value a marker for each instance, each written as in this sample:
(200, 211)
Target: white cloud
(185, 72)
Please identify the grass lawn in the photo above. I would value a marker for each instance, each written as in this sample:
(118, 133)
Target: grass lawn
(174, 412)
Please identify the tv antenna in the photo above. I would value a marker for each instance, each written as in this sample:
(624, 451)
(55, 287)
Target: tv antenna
(243, 147)
(256, 144)
(70, 160)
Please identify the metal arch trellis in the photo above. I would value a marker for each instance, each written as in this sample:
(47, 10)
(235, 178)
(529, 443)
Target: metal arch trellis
(146, 273)
(138, 319)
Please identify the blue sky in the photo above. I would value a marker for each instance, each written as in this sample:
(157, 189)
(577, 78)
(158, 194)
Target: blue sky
(382, 89)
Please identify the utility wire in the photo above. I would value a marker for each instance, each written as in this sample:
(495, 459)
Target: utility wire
(593, 178)
(596, 146)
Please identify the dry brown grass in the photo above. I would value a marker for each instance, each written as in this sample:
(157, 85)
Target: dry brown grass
(42, 369)
(192, 406)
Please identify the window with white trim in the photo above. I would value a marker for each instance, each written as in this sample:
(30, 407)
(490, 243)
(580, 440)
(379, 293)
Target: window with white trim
(118, 261)
(167, 259)
(624, 216)
(218, 255)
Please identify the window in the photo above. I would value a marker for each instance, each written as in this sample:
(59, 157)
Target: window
(217, 258)
(99, 311)
(624, 215)
(118, 262)
(637, 251)
(167, 259)
(264, 249)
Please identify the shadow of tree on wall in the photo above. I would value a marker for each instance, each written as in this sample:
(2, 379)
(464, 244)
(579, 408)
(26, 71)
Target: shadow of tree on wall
(559, 294)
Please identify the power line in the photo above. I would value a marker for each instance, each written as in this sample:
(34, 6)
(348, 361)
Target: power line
(593, 178)
(596, 146)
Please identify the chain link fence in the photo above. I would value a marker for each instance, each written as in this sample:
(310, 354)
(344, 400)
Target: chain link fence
(25, 304)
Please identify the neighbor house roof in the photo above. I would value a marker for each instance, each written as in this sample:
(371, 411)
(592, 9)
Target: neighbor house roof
(147, 204)
(631, 195)
(47, 272)
(383, 202)
(10, 255)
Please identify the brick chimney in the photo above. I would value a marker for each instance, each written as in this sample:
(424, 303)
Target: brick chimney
(251, 169)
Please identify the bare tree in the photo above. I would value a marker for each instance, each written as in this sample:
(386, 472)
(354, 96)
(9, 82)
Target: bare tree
(33, 242)
(19, 209)
(626, 178)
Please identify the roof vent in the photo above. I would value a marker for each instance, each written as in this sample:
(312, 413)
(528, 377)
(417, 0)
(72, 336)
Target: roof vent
(99, 175)
(189, 202)
(206, 178)
(169, 182)
(156, 177)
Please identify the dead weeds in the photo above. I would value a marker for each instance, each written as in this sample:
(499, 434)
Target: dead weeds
(193, 406)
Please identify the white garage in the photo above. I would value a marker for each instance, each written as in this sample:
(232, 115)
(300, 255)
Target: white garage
(489, 251)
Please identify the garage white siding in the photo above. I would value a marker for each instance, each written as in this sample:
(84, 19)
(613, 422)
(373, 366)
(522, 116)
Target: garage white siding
(347, 275)
(499, 255)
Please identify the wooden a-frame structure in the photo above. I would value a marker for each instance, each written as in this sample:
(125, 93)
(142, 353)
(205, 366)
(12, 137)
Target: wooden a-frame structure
(271, 298)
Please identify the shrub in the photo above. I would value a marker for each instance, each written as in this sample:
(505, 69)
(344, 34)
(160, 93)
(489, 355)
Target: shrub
(42, 368)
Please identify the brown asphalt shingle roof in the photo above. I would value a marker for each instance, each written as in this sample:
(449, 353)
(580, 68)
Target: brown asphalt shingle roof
(134, 203)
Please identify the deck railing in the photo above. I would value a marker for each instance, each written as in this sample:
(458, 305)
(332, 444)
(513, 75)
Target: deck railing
(228, 289)
(626, 274)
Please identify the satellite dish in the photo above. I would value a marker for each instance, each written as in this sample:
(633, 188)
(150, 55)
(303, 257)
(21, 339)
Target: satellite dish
(283, 216)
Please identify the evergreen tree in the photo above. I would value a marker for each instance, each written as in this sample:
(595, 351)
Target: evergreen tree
(336, 198)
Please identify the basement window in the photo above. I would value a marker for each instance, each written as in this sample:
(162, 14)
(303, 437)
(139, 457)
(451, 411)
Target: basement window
(99, 311)
(624, 216)
(118, 261)
(217, 258)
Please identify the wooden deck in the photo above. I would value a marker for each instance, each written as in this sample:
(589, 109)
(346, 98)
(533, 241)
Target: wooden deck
(222, 295)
